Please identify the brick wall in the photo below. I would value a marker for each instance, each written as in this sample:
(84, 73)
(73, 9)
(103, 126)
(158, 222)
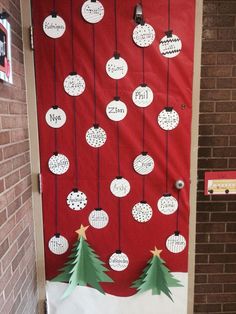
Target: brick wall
(215, 288)
(17, 257)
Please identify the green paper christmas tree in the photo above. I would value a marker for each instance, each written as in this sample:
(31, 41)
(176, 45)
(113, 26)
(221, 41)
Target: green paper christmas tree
(156, 277)
(84, 267)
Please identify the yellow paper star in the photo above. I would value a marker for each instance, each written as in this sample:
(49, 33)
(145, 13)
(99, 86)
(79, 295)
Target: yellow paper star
(81, 232)
(156, 252)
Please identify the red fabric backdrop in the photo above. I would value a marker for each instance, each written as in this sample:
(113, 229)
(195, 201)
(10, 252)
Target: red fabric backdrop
(137, 239)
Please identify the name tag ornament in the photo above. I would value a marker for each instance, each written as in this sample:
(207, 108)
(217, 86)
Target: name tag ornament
(119, 261)
(58, 244)
(142, 212)
(98, 218)
(143, 164)
(142, 96)
(55, 117)
(116, 110)
(116, 67)
(176, 243)
(96, 136)
(76, 200)
(170, 45)
(54, 26)
(167, 204)
(120, 187)
(143, 35)
(58, 164)
(92, 11)
(74, 84)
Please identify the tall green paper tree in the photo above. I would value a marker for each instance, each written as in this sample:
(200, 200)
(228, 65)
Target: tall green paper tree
(156, 277)
(84, 267)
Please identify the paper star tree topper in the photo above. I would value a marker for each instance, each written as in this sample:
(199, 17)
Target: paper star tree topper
(84, 267)
(156, 277)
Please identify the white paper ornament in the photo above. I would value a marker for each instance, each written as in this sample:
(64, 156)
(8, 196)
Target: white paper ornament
(76, 200)
(143, 164)
(116, 67)
(120, 187)
(170, 45)
(58, 244)
(58, 164)
(168, 119)
(119, 261)
(176, 243)
(92, 11)
(98, 218)
(167, 204)
(116, 110)
(142, 212)
(54, 26)
(143, 35)
(55, 117)
(96, 136)
(74, 84)
(142, 96)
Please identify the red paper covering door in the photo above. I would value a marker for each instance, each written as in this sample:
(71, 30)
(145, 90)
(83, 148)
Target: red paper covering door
(137, 239)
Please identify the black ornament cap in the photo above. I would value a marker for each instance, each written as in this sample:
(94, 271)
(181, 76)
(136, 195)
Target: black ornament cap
(143, 202)
(176, 233)
(57, 235)
(116, 98)
(168, 109)
(55, 107)
(98, 209)
(118, 252)
(143, 85)
(54, 13)
(73, 73)
(167, 195)
(119, 177)
(116, 55)
(75, 190)
(96, 126)
(55, 153)
(169, 33)
(144, 153)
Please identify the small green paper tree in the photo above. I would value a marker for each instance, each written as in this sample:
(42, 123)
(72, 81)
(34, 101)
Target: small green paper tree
(84, 267)
(156, 277)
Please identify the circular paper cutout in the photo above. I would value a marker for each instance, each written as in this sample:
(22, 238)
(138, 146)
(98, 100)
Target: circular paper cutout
(74, 84)
(116, 110)
(92, 12)
(168, 119)
(143, 35)
(98, 218)
(143, 164)
(76, 200)
(54, 26)
(142, 96)
(58, 164)
(167, 204)
(116, 68)
(55, 117)
(119, 261)
(142, 212)
(176, 243)
(170, 45)
(58, 244)
(120, 187)
(96, 136)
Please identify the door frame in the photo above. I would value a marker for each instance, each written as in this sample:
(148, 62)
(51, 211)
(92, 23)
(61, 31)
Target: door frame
(35, 159)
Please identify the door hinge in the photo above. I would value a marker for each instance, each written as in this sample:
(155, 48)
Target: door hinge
(40, 183)
(31, 37)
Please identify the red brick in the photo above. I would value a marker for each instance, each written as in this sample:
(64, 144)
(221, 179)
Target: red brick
(206, 248)
(231, 227)
(207, 308)
(232, 163)
(218, 21)
(2, 186)
(230, 288)
(4, 138)
(222, 94)
(206, 130)
(11, 179)
(210, 7)
(19, 135)
(231, 268)
(208, 288)
(226, 7)
(17, 108)
(209, 59)
(226, 83)
(227, 217)
(200, 278)
(204, 152)
(4, 107)
(207, 106)
(17, 259)
(209, 34)
(25, 171)
(202, 238)
(226, 106)
(226, 59)
(14, 206)
(217, 46)
(220, 297)
(213, 141)
(216, 71)
(233, 118)
(212, 163)
(208, 269)
(232, 206)
(211, 207)
(230, 248)
(225, 130)
(221, 238)
(4, 247)
(222, 258)
(224, 152)
(201, 259)
(211, 227)
(200, 298)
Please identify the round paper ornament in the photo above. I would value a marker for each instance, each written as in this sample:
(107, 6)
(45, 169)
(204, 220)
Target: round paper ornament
(58, 244)
(170, 45)
(98, 218)
(76, 200)
(92, 11)
(143, 164)
(176, 243)
(55, 117)
(142, 212)
(119, 261)
(120, 187)
(116, 67)
(96, 136)
(168, 119)
(54, 26)
(143, 35)
(74, 84)
(58, 164)
(142, 96)
(116, 110)
(167, 204)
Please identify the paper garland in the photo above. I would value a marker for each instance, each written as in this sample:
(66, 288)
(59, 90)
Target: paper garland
(170, 45)
(98, 218)
(143, 35)
(54, 26)
(74, 84)
(116, 68)
(119, 261)
(76, 200)
(142, 212)
(92, 11)
(96, 136)
(176, 243)
(58, 244)
(116, 110)
(168, 119)
(120, 187)
(58, 164)
(55, 117)
(167, 204)
(143, 164)
(142, 96)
